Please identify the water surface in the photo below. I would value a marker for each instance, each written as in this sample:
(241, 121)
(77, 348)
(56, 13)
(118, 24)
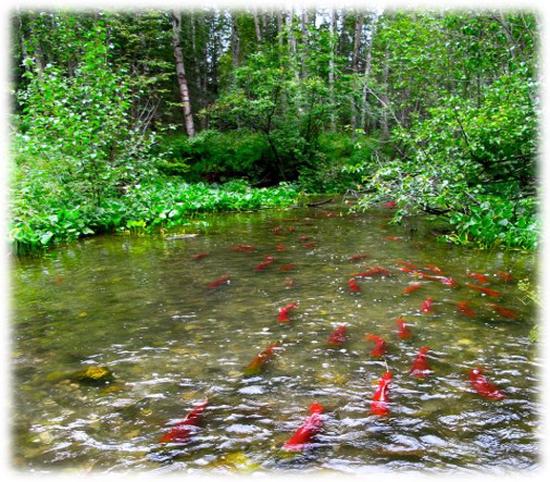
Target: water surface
(140, 306)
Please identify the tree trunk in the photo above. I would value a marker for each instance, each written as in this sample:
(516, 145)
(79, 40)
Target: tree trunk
(355, 67)
(305, 43)
(292, 51)
(257, 25)
(331, 70)
(180, 71)
(366, 74)
(235, 42)
(357, 42)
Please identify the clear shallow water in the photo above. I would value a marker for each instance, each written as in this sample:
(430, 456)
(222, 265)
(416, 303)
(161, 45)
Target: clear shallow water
(140, 306)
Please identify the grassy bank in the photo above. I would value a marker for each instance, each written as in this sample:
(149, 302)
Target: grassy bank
(162, 202)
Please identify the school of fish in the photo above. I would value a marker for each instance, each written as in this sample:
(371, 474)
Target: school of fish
(380, 404)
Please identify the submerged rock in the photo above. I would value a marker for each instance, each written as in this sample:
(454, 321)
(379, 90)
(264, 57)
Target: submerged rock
(235, 461)
(94, 375)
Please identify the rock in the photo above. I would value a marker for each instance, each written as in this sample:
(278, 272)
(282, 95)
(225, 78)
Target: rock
(93, 375)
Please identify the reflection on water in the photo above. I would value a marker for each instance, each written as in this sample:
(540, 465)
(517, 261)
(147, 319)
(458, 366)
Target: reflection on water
(141, 307)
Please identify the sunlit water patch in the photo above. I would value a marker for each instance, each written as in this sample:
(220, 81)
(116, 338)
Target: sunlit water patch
(141, 307)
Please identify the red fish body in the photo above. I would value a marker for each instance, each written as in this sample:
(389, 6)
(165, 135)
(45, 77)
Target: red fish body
(243, 248)
(434, 269)
(505, 312)
(310, 245)
(482, 386)
(479, 277)
(379, 345)
(181, 431)
(311, 427)
(375, 271)
(353, 286)
(420, 365)
(411, 288)
(358, 257)
(303, 237)
(283, 312)
(393, 238)
(390, 204)
(402, 329)
(258, 362)
(487, 291)
(277, 230)
(268, 260)
(280, 247)
(406, 264)
(338, 337)
(448, 281)
(287, 267)
(464, 308)
(504, 276)
(380, 399)
(426, 305)
(199, 256)
(219, 281)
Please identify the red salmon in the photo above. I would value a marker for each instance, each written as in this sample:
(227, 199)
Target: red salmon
(310, 245)
(393, 238)
(390, 204)
(434, 269)
(277, 230)
(505, 312)
(448, 281)
(420, 367)
(504, 276)
(283, 312)
(199, 256)
(379, 345)
(426, 305)
(243, 248)
(307, 431)
(219, 281)
(182, 430)
(479, 277)
(338, 337)
(487, 291)
(280, 247)
(303, 237)
(380, 399)
(406, 264)
(358, 257)
(464, 308)
(375, 271)
(353, 286)
(482, 386)
(257, 364)
(403, 330)
(411, 288)
(268, 260)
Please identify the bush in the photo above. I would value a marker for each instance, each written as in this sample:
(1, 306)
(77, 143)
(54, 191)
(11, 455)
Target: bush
(473, 163)
(215, 155)
(159, 202)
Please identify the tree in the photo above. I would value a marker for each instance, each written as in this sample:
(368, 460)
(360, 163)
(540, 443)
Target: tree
(180, 70)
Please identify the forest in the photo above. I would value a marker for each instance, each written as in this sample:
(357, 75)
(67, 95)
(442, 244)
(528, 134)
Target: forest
(135, 121)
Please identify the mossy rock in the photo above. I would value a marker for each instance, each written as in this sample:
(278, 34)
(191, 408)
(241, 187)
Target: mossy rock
(93, 375)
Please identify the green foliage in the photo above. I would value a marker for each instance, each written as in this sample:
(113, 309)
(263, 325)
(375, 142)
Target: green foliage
(339, 163)
(473, 163)
(160, 202)
(213, 154)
